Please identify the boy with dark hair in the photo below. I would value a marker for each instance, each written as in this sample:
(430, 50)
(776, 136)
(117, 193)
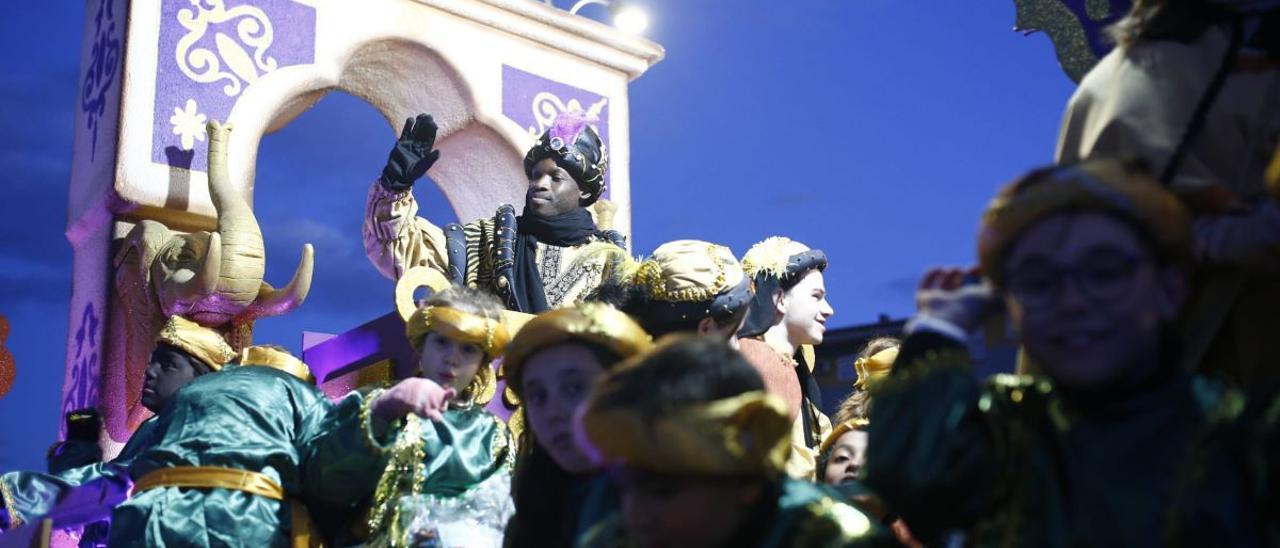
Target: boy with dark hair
(697, 448)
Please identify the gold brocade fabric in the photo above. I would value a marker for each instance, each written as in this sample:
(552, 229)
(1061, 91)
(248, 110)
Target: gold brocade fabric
(746, 435)
(203, 343)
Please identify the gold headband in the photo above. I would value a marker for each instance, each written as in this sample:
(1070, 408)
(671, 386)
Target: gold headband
(874, 367)
(840, 430)
(746, 435)
(266, 356)
(203, 343)
(455, 324)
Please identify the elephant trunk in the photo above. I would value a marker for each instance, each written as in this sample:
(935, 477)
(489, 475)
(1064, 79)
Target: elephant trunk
(243, 257)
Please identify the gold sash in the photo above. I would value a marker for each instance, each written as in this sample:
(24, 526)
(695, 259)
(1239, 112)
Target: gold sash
(205, 477)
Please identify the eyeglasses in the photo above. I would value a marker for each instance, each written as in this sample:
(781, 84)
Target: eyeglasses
(1102, 276)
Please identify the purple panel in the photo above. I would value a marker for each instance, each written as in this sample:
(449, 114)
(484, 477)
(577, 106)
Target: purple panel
(532, 101)
(369, 343)
(102, 71)
(313, 338)
(210, 51)
(366, 345)
(81, 390)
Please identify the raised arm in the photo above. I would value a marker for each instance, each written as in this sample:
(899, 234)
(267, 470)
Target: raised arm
(932, 454)
(395, 238)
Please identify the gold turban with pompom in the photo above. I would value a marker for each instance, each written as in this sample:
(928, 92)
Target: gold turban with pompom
(689, 271)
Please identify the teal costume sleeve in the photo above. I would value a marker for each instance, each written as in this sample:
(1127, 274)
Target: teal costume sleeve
(28, 496)
(342, 456)
(931, 455)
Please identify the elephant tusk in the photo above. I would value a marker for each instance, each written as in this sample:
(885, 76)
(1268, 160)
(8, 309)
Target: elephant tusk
(274, 302)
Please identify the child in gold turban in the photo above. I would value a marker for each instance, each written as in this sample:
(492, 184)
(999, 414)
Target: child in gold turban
(551, 366)
(448, 478)
(689, 286)
(697, 449)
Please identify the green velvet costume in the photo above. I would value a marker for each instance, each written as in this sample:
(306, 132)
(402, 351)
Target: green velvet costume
(255, 419)
(31, 495)
(799, 514)
(443, 473)
(1180, 461)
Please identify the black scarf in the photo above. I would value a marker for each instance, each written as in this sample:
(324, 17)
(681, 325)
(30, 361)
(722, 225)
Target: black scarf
(571, 228)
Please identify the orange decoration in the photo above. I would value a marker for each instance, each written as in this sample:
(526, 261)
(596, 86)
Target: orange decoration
(8, 369)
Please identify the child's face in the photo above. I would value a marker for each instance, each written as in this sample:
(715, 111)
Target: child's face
(450, 363)
(555, 382)
(848, 455)
(676, 512)
(1089, 299)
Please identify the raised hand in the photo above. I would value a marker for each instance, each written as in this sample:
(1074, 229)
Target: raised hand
(957, 296)
(422, 397)
(413, 154)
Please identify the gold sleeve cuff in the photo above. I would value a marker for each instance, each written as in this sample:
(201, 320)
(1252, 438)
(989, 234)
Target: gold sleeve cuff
(15, 518)
(371, 440)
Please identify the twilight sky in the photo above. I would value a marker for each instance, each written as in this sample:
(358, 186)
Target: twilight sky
(873, 129)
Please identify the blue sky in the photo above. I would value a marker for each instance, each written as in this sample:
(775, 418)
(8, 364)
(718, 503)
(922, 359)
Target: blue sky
(873, 129)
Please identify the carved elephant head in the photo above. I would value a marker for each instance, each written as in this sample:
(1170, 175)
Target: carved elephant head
(212, 278)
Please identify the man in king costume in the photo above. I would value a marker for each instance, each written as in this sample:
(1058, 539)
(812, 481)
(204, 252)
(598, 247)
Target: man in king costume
(551, 255)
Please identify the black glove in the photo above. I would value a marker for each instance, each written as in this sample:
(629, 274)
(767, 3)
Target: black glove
(412, 155)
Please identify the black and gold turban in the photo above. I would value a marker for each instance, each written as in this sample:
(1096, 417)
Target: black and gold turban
(768, 264)
(576, 147)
